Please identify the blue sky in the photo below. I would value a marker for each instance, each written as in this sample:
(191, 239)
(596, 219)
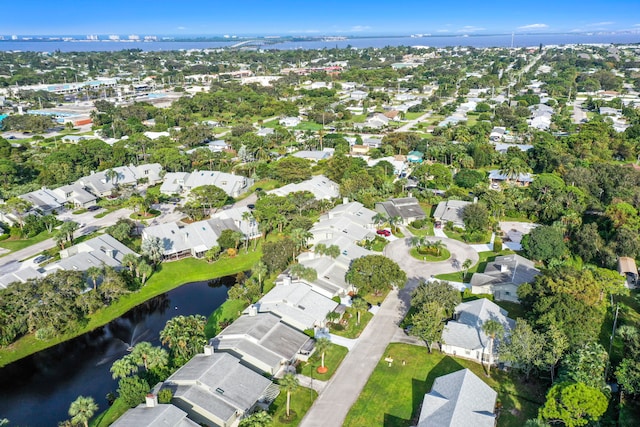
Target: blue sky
(304, 17)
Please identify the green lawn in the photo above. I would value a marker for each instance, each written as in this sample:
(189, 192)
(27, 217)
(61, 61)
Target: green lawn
(308, 126)
(444, 255)
(18, 244)
(427, 231)
(301, 401)
(351, 329)
(109, 416)
(393, 395)
(229, 311)
(486, 238)
(332, 359)
(170, 276)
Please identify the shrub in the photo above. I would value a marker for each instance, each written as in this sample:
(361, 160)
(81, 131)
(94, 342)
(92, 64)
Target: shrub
(497, 245)
(165, 395)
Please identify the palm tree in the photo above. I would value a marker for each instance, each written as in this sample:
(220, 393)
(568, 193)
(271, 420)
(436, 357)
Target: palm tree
(322, 345)
(416, 241)
(260, 269)
(359, 305)
(514, 168)
(438, 246)
(123, 367)
(149, 356)
(94, 273)
(297, 270)
(333, 251)
(492, 329)
(300, 238)
(465, 267)
(394, 221)
(130, 260)
(82, 409)
(332, 316)
(289, 383)
(110, 174)
(379, 219)
(144, 271)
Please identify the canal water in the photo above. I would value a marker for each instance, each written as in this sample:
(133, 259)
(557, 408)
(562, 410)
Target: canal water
(37, 391)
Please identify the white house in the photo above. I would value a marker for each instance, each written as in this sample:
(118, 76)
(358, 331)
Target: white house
(320, 186)
(463, 336)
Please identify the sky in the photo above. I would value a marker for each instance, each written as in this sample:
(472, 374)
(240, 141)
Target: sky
(314, 18)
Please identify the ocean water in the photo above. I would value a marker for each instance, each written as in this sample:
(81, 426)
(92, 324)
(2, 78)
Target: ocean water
(519, 40)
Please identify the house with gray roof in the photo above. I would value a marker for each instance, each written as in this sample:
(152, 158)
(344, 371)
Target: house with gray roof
(450, 211)
(76, 195)
(10, 275)
(314, 155)
(459, 399)
(296, 303)
(263, 342)
(43, 200)
(407, 208)
(173, 183)
(496, 177)
(320, 186)
(463, 336)
(503, 276)
(215, 388)
(102, 250)
(233, 185)
(153, 414)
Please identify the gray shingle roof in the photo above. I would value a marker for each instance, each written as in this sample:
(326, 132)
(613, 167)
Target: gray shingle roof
(157, 416)
(459, 399)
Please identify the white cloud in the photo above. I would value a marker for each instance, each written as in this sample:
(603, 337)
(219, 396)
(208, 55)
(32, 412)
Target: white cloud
(469, 29)
(358, 28)
(533, 27)
(443, 31)
(304, 31)
(636, 25)
(181, 28)
(600, 24)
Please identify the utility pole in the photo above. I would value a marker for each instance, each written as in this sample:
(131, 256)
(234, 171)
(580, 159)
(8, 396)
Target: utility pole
(613, 334)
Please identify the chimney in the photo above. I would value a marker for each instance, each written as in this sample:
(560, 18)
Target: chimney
(151, 400)
(208, 350)
(503, 268)
(253, 310)
(286, 280)
(345, 200)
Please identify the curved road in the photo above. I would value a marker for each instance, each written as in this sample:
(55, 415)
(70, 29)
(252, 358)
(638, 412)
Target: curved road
(341, 392)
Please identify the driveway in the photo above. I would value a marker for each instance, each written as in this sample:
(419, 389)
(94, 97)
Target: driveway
(398, 251)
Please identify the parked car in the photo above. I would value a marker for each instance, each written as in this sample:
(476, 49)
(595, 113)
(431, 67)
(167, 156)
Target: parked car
(251, 206)
(438, 224)
(93, 208)
(40, 259)
(383, 232)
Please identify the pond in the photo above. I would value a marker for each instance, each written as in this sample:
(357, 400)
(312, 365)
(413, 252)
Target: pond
(37, 391)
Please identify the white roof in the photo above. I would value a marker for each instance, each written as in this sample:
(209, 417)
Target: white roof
(320, 186)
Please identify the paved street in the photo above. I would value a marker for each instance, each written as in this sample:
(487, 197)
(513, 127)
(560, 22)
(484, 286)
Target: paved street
(341, 392)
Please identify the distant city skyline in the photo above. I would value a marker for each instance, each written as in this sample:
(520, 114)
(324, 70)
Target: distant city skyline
(300, 18)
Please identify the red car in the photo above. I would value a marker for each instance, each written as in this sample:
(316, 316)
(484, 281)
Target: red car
(383, 232)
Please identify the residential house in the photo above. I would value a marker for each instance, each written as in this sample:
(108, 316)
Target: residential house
(497, 133)
(459, 399)
(44, 200)
(265, 132)
(496, 177)
(372, 142)
(9, 276)
(450, 211)
(358, 95)
(359, 150)
(398, 163)
(233, 185)
(76, 195)
(102, 250)
(153, 414)
(320, 186)
(151, 172)
(215, 388)
(376, 121)
(463, 336)
(627, 267)
(173, 183)
(290, 122)
(315, 155)
(263, 342)
(503, 276)
(407, 208)
(296, 303)
(502, 147)
(155, 135)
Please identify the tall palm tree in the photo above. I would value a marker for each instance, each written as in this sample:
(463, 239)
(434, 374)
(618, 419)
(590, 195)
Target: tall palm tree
(493, 329)
(260, 269)
(93, 273)
(149, 356)
(322, 345)
(144, 271)
(289, 383)
(438, 246)
(297, 270)
(379, 219)
(130, 260)
(394, 221)
(359, 305)
(465, 267)
(123, 367)
(300, 237)
(82, 409)
(333, 251)
(514, 168)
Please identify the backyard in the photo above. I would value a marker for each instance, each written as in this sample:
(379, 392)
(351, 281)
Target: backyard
(393, 394)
